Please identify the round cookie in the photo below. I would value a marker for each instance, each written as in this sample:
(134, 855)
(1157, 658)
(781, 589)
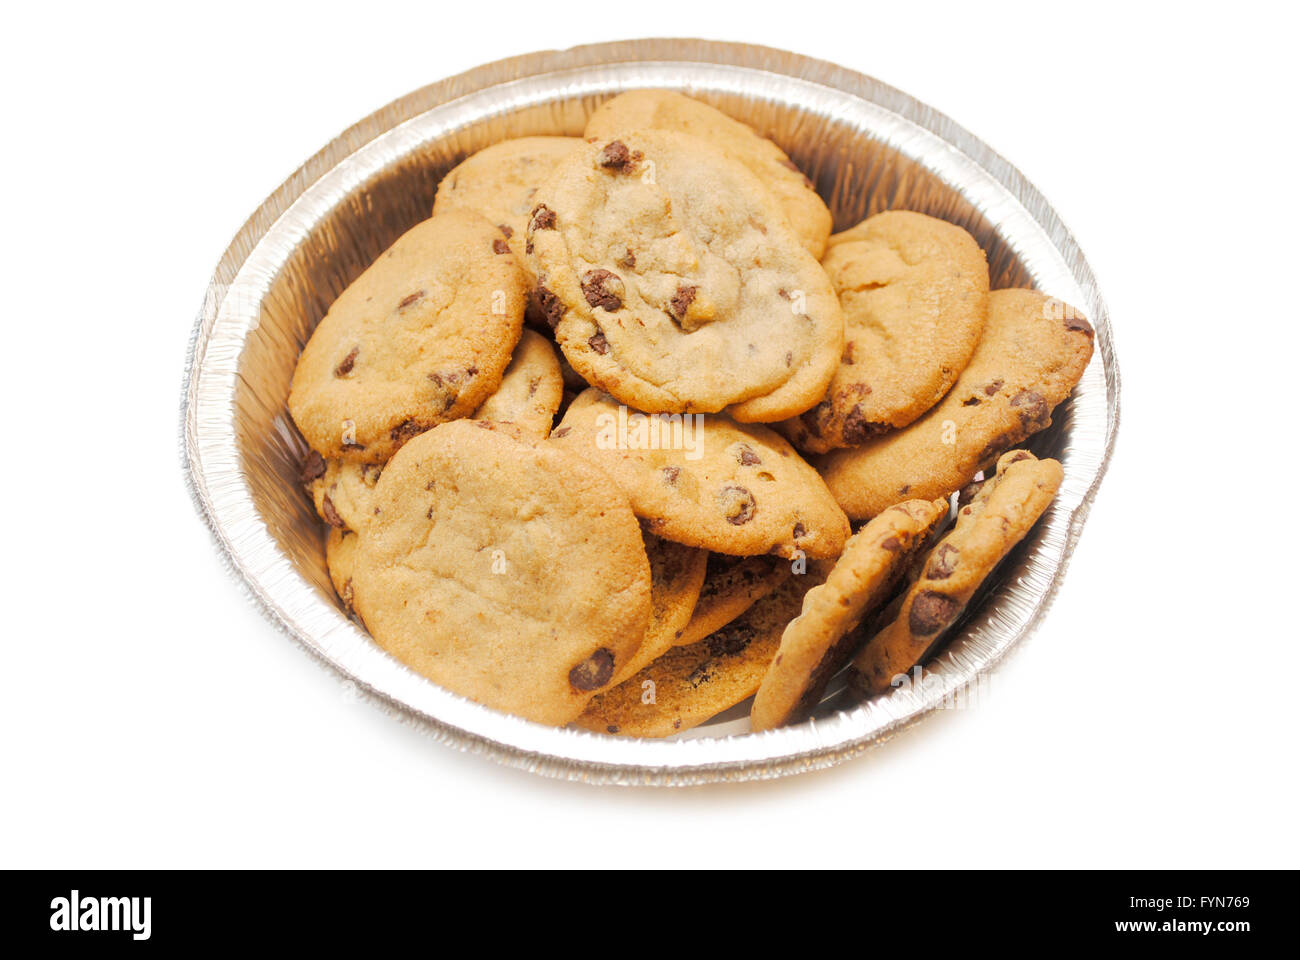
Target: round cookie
(421, 337)
(1033, 351)
(500, 182)
(688, 685)
(818, 642)
(731, 586)
(914, 292)
(530, 390)
(676, 576)
(667, 110)
(674, 283)
(999, 516)
(343, 493)
(707, 481)
(511, 573)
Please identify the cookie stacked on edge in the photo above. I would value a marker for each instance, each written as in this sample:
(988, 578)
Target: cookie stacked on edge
(635, 512)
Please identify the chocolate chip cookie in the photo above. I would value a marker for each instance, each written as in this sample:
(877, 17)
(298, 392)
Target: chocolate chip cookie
(688, 685)
(423, 336)
(731, 586)
(914, 291)
(1032, 353)
(530, 390)
(707, 481)
(820, 641)
(675, 284)
(508, 572)
(676, 576)
(667, 110)
(994, 521)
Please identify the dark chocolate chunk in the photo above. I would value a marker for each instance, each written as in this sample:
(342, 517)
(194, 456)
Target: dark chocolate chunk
(594, 672)
(931, 612)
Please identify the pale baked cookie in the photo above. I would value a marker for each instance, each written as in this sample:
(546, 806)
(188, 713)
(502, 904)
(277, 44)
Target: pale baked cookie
(688, 685)
(511, 573)
(731, 586)
(341, 561)
(530, 390)
(1033, 351)
(707, 481)
(342, 492)
(824, 636)
(674, 283)
(676, 576)
(999, 516)
(500, 183)
(666, 110)
(914, 291)
(421, 337)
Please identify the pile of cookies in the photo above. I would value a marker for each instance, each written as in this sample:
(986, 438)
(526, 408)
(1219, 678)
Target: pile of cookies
(622, 436)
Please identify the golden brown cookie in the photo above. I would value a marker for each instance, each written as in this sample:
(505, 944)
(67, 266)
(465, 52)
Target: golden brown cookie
(667, 110)
(421, 337)
(342, 492)
(676, 576)
(999, 516)
(511, 573)
(1033, 351)
(824, 636)
(914, 291)
(707, 481)
(731, 586)
(674, 283)
(688, 685)
(530, 390)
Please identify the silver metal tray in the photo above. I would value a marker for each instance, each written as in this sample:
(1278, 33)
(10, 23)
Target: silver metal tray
(867, 146)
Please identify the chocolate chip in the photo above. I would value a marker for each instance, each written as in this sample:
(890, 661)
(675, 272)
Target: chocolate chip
(616, 156)
(405, 431)
(746, 456)
(612, 728)
(604, 289)
(729, 640)
(313, 467)
(737, 504)
(598, 343)
(345, 365)
(1077, 324)
(594, 672)
(892, 544)
(682, 300)
(543, 218)
(992, 388)
(528, 246)
(410, 299)
(931, 612)
(353, 445)
(858, 429)
(500, 246)
(816, 418)
(799, 532)
(942, 563)
(628, 260)
(506, 229)
(970, 402)
(551, 306)
(671, 474)
(789, 358)
(1020, 455)
(331, 515)
(1035, 409)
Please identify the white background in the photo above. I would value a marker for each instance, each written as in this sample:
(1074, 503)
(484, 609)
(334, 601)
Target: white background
(150, 717)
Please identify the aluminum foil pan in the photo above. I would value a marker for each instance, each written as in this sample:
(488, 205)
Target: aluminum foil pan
(867, 146)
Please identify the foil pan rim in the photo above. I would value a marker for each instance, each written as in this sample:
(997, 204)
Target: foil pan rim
(578, 755)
